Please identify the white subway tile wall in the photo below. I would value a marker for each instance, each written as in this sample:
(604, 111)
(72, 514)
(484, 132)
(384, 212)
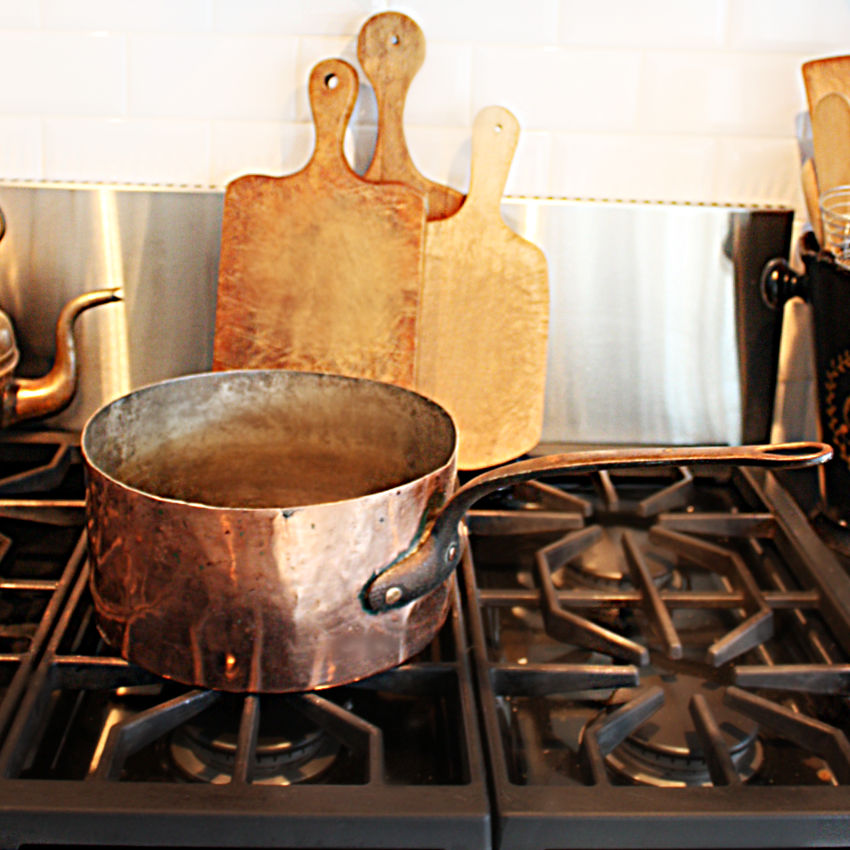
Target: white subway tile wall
(151, 149)
(648, 24)
(685, 100)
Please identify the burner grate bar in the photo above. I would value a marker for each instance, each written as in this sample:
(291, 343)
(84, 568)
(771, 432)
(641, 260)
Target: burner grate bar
(570, 546)
(246, 741)
(651, 599)
(544, 679)
(629, 598)
(606, 734)
(758, 626)
(552, 497)
(30, 696)
(607, 490)
(820, 738)
(567, 626)
(92, 672)
(45, 477)
(351, 730)
(721, 524)
(68, 513)
(754, 631)
(414, 679)
(131, 735)
(717, 756)
(70, 584)
(676, 495)
(810, 678)
(36, 584)
(491, 523)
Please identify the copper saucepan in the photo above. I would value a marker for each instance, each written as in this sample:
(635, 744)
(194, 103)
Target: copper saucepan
(277, 531)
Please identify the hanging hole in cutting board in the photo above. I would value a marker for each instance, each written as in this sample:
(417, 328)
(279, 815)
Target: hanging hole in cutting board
(394, 39)
(497, 128)
(331, 81)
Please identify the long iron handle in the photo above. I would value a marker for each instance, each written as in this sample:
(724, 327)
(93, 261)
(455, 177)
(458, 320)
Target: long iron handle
(430, 559)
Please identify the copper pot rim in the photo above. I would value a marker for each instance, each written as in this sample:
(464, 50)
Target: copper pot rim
(365, 499)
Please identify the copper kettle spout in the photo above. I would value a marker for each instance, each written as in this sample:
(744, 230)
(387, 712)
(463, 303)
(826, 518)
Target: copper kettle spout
(26, 398)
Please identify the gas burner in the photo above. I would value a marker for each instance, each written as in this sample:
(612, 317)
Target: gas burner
(666, 751)
(289, 750)
(602, 564)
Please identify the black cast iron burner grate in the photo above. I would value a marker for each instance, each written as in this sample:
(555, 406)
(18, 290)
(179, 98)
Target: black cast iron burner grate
(42, 549)
(97, 751)
(676, 655)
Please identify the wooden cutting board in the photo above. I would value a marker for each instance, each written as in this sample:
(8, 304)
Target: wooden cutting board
(821, 77)
(831, 137)
(321, 270)
(481, 347)
(391, 49)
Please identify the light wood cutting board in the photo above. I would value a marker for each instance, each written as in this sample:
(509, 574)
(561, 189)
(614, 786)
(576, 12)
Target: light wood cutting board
(391, 49)
(824, 76)
(821, 78)
(481, 347)
(831, 137)
(321, 270)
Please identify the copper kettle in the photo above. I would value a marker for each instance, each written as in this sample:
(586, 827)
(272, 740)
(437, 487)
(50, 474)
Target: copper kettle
(26, 398)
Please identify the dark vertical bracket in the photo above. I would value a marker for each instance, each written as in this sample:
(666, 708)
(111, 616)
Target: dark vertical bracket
(757, 236)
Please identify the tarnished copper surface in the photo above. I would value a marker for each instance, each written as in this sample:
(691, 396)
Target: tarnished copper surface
(266, 597)
(283, 531)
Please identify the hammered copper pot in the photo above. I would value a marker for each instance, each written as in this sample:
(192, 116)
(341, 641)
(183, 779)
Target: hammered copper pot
(274, 531)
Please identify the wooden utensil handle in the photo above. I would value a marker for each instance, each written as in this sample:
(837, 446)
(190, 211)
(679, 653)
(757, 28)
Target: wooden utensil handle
(333, 91)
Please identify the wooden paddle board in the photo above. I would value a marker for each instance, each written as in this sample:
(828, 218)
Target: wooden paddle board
(824, 76)
(321, 270)
(481, 345)
(391, 49)
(821, 78)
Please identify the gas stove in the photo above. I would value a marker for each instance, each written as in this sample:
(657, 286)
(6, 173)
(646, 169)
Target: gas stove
(671, 672)
(97, 751)
(632, 660)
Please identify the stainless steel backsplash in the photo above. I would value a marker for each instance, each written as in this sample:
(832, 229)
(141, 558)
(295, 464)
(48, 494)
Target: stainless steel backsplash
(161, 246)
(645, 332)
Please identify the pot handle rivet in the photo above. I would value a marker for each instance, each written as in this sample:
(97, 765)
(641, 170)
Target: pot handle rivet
(392, 595)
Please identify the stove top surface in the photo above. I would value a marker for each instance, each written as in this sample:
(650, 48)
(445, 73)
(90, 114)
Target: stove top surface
(632, 660)
(681, 653)
(98, 751)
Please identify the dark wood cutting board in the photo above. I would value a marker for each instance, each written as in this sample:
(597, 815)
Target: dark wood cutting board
(321, 270)
(391, 49)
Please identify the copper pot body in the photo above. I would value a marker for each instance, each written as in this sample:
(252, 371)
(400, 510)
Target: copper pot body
(235, 517)
(274, 531)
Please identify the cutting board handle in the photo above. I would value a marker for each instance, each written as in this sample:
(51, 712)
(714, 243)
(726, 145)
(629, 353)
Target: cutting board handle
(391, 49)
(495, 133)
(333, 91)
